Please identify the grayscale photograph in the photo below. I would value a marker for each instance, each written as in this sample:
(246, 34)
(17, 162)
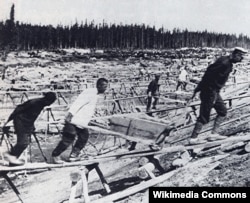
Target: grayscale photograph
(127, 101)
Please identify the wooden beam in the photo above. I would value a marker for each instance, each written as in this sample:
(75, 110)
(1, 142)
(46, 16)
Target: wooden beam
(85, 187)
(103, 180)
(132, 154)
(232, 146)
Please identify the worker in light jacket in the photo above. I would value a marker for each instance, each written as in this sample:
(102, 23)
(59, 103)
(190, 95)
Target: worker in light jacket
(76, 120)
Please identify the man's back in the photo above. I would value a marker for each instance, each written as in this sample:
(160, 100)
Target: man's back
(28, 111)
(153, 87)
(84, 107)
(183, 75)
(217, 74)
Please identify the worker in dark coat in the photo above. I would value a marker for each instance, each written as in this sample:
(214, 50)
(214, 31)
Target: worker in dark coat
(24, 117)
(153, 92)
(213, 80)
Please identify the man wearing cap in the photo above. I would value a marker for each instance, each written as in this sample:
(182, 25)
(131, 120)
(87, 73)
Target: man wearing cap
(153, 91)
(24, 117)
(209, 87)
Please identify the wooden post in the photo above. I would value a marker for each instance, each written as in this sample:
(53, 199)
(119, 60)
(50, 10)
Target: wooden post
(50, 113)
(59, 95)
(103, 180)
(72, 192)
(4, 175)
(53, 117)
(75, 176)
(85, 186)
(24, 95)
(12, 99)
(47, 129)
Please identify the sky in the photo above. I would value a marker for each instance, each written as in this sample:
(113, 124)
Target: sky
(223, 16)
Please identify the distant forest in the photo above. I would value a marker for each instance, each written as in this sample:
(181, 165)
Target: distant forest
(21, 36)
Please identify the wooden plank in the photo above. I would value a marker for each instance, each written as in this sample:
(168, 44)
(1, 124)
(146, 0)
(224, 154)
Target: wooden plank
(228, 146)
(73, 191)
(103, 180)
(209, 151)
(85, 187)
(232, 146)
(219, 142)
(103, 158)
(174, 140)
(32, 166)
(133, 154)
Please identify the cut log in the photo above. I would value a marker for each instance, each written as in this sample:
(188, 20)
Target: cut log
(217, 143)
(146, 170)
(247, 147)
(231, 146)
(209, 151)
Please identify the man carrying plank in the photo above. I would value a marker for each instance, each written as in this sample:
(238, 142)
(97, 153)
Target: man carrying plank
(209, 87)
(79, 116)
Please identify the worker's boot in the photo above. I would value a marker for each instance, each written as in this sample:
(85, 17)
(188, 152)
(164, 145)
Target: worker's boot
(75, 155)
(13, 160)
(218, 120)
(160, 139)
(57, 160)
(194, 137)
(214, 133)
(60, 148)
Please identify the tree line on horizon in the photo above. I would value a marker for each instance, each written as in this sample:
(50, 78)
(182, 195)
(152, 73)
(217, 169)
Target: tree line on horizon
(22, 36)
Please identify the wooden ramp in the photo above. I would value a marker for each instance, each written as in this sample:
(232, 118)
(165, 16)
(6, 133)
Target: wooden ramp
(127, 154)
(133, 154)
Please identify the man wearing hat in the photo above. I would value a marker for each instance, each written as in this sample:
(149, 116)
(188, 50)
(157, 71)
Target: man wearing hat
(209, 87)
(153, 92)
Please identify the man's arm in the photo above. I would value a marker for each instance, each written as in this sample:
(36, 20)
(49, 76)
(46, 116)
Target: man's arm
(68, 117)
